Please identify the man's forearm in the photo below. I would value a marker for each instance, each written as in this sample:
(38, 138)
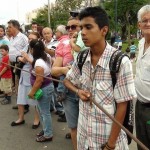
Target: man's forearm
(70, 86)
(115, 130)
(58, 71)
(50, 52)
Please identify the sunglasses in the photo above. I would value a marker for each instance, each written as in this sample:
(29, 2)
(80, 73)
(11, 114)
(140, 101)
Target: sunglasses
(72, 27)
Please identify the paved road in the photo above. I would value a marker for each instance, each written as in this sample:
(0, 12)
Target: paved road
(23, 137)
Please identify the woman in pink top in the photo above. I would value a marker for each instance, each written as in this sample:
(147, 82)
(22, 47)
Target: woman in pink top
(61, 67)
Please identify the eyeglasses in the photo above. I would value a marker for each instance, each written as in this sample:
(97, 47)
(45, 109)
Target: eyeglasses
(146, 21)
(72, 27)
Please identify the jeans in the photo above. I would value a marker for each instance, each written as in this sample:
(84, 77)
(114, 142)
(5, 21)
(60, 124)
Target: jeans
(71, 107)
(61, 87)
(56, 106)
(44, 109)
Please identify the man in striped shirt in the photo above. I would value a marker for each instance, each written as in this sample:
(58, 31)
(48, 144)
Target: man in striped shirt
(95, 128)
(18, 43)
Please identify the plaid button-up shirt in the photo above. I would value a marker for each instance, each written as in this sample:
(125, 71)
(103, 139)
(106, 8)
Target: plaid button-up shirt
(94, 126)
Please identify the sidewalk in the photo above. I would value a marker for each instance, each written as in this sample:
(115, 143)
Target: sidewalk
(23, 137)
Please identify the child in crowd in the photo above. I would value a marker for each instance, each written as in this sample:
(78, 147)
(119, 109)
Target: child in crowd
(132, 51)
(5, 75)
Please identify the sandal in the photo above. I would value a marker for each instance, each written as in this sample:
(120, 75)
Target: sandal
(40, 133)
(43, 139)
(5, 102)
(68, 136)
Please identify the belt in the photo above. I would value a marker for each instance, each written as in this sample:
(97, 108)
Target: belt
(144, 104)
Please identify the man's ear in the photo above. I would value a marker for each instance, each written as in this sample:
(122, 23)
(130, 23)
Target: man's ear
(138, 25)
(105, 30)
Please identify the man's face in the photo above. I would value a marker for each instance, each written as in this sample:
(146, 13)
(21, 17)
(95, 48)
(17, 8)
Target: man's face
(72, 27)
(11, 29)
(91, 33)
(1, 32)
(34, 27)
(47, 34)
(58, 34)
(144, 24)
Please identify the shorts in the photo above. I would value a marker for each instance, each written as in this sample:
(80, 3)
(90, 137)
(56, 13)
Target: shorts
(71, 107)
(5, 85)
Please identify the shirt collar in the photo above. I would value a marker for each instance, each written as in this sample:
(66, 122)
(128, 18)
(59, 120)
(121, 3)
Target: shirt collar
(105, 57)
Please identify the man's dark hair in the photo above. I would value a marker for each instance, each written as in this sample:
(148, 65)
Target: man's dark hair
(5, 47)
(34, 23)
(99, 14)
(15, 23)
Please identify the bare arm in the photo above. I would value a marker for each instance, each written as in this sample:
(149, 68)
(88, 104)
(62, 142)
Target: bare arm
(74, 47)
(26, 57)
(120, 115)
(57, 68)
(38, 82)
(51, 52)
(84, 95)
(3, 71)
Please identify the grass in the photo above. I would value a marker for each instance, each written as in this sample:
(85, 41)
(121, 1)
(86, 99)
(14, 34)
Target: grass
(125, 44)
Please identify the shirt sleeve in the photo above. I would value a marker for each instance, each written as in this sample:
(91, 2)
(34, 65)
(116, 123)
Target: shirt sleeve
(125, 89)
(73, 74)
(39, 63)
(59, 50)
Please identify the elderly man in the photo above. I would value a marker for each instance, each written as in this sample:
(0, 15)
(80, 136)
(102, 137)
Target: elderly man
(49, 41)
(142, 79)
(18, 43)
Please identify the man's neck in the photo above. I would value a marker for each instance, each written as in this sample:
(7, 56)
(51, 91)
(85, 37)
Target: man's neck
(96, 52)
(15, 34)
(48, 41)
(98, 49)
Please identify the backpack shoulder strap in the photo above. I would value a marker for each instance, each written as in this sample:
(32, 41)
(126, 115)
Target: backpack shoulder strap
(114, 64)
(81, 59)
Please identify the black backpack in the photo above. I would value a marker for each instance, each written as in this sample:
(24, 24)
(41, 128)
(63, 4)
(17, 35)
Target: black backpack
(114, 66)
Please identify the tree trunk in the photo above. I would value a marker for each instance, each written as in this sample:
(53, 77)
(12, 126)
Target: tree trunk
(128, 27)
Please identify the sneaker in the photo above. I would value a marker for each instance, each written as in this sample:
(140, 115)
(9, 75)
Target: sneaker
(5, 102)
(62, 119)
(2, 95)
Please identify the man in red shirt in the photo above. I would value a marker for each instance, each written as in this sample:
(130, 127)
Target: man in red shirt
(5, 75)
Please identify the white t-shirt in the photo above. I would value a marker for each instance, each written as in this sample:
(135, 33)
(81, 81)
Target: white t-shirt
(45, 65)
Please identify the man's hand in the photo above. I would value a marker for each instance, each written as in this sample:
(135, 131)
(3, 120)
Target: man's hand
(84, 95)
(25, 55)
(22, 59)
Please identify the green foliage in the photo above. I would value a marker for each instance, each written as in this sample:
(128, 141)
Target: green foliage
(58, 14)
(126, 15)
(42, 16)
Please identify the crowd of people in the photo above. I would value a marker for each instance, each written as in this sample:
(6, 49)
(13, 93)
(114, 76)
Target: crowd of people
(54, 55)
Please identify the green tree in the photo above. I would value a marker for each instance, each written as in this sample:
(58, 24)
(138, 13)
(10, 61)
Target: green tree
(42, 16)
(126, 15)
(58, 14)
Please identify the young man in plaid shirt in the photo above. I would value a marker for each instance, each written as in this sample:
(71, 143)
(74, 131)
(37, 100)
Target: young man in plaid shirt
(95, 128)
